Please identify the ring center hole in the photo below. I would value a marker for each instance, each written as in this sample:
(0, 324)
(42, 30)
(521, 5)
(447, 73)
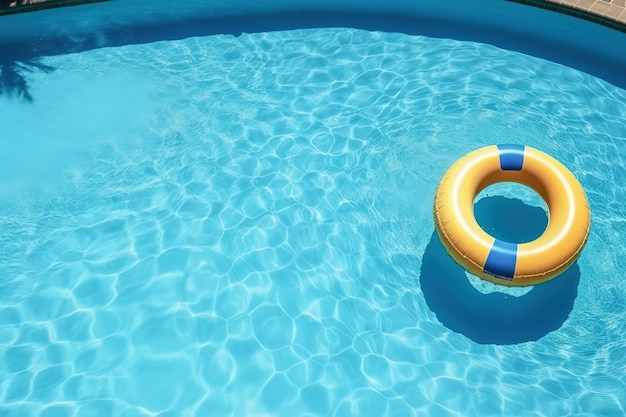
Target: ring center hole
(511, 212)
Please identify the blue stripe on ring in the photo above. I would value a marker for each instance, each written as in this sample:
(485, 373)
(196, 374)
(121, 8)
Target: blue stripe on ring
(511, 157)
(501, 260)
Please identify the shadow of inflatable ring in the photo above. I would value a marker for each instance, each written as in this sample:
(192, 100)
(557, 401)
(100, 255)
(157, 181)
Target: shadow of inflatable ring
(497, 318)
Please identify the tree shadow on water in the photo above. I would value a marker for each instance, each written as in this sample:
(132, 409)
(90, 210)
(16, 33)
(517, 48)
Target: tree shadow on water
(13, 70)
(497, 318)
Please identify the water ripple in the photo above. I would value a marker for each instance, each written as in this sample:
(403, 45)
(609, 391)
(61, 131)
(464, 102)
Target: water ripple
(240, 228)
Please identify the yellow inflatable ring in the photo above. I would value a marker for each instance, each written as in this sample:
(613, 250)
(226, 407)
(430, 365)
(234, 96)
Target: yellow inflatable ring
(502, 262)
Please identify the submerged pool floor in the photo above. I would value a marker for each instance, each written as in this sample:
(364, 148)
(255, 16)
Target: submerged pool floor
(243, 226)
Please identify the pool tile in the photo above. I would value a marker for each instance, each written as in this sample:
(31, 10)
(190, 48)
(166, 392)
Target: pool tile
(600, 7)
(585, 4)
(613, 11)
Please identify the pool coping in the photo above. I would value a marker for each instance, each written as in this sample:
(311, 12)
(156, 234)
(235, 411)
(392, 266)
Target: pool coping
(611, 13)
(45, 4)
(612, 10)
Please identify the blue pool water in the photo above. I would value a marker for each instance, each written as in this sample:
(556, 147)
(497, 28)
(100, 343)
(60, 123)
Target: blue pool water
(242, 226)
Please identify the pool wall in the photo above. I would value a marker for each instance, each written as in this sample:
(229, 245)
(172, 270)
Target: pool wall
(580, 44)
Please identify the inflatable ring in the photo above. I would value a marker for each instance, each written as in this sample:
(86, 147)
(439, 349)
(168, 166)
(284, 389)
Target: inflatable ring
(506, 263)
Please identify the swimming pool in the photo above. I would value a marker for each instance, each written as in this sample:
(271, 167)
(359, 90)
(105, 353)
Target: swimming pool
(242, 225)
